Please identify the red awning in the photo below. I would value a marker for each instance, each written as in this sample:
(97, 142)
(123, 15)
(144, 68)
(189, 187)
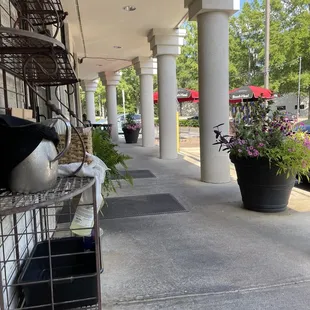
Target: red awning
(183, 95)
(249, 93)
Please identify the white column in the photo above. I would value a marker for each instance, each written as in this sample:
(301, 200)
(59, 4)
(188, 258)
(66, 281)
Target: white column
(90, 89)
(167, 91)
(166, 45)
(145, 68)
(77, 92)
(111, 80)
(213, 63)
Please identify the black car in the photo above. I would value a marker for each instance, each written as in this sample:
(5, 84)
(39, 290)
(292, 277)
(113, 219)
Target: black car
(193, 117)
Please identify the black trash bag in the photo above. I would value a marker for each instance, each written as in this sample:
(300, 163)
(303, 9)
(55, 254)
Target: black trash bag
(18, 139)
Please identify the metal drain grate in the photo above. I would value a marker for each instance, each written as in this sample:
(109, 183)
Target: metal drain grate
(122, 207)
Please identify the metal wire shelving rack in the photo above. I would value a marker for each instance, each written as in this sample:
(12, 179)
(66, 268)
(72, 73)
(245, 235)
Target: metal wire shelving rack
(40, 59)
(41, 12)
(28, 222)
(32, 223)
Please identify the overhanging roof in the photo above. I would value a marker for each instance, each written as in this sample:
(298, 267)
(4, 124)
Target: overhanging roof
(99, 26)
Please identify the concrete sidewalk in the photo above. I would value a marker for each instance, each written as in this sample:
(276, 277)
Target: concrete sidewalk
(215, 256)
(299, 200)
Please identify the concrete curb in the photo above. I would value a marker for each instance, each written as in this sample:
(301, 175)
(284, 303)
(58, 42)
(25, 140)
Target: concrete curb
(298, 193)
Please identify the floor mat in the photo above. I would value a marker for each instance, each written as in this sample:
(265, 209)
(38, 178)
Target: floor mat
(122, 207)
(139, 174)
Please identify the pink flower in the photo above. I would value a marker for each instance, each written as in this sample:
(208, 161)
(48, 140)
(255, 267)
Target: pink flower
(261, 145)
(255, 153)
(239, 150)
(250, 153)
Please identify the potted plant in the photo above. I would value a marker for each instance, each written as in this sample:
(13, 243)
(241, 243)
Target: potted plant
(131, 129)
(107, 151)
(268, 155)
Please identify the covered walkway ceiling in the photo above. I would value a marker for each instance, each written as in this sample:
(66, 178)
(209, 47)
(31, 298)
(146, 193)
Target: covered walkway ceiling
(109, 37)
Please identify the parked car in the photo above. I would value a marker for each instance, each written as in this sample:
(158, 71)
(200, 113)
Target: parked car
(193, 117)
(288, 115)
(303, 126)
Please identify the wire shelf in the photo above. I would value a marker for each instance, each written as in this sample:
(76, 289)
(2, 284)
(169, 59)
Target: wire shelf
(65, 189)
(50, 64)
(41, 12)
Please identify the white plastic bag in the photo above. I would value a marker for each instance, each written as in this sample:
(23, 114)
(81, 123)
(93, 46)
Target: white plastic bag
(83, 220)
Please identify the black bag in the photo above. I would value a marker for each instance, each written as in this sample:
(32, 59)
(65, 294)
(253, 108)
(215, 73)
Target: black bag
(18, 139)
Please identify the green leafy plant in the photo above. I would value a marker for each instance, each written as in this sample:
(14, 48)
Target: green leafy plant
(262, 134)
(188, 123)
(184, 122)
(107, 152)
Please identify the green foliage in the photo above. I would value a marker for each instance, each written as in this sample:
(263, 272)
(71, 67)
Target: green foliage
(292, 156)
(188, 123)
(289, 39)
(100, 100)
(107, 152)
(184, 122)
(131, 85)
(187, 62)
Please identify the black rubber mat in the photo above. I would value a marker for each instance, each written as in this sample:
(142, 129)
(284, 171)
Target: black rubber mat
(139, 174)
(122, 207)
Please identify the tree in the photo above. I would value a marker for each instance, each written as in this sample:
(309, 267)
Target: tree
(247, 46)
(187, 62)
(289, 40)
(130, 83)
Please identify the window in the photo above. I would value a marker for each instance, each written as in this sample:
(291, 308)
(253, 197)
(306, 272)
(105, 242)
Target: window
(301, 107)
(281, 108)
(12, 89)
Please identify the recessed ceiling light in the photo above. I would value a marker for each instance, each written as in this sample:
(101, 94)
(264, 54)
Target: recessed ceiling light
(117, 47)
(129, 8)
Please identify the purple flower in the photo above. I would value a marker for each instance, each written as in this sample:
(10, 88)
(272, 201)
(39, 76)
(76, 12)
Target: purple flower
(239, 150)
(261, 145)
(255, 153)
(250, 153)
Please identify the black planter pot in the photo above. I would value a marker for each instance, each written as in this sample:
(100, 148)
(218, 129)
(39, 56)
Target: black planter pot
(261, 188)
(131, 136)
